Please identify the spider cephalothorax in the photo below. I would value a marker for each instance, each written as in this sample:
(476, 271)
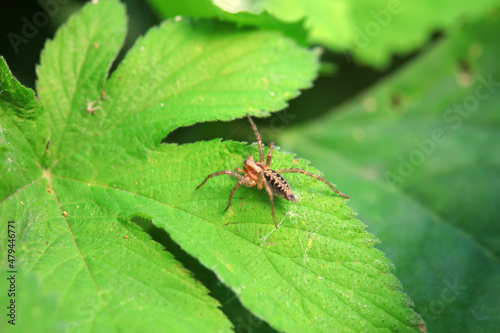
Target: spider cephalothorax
(259, 173)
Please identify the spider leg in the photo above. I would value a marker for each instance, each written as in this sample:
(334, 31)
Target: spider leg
(270, 154)
(270, 194)
(260, 178)
(232, 193)
(259, 140)
(220, 173)
(296, 170)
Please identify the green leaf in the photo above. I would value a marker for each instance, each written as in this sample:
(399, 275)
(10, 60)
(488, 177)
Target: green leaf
(382, 28)
(105, 167)
(73, 70)
(370, 31)
(209, 9)
(295, 264)
(22, 134)
(419, 155)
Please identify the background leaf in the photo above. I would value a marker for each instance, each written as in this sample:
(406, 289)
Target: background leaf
(418, 154)
(370, 31)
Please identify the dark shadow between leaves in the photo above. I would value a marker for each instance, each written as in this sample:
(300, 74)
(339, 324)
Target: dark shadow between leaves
(242, 319)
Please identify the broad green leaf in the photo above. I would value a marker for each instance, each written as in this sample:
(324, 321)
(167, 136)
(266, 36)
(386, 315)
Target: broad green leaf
(105, 167)
(370, 31)
(419, 155)
(320, 261)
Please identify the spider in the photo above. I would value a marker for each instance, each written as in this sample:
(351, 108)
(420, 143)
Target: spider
(260, 174)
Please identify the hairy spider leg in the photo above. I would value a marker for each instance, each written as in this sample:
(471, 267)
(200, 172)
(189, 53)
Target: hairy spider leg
(296, 170)
(238, 184)
(270, 194)
(259, 140)
(260, 178)
(241, 180)
(220, 173)
(269, 155)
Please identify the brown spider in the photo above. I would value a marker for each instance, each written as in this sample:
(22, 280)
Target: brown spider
(258, 173)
